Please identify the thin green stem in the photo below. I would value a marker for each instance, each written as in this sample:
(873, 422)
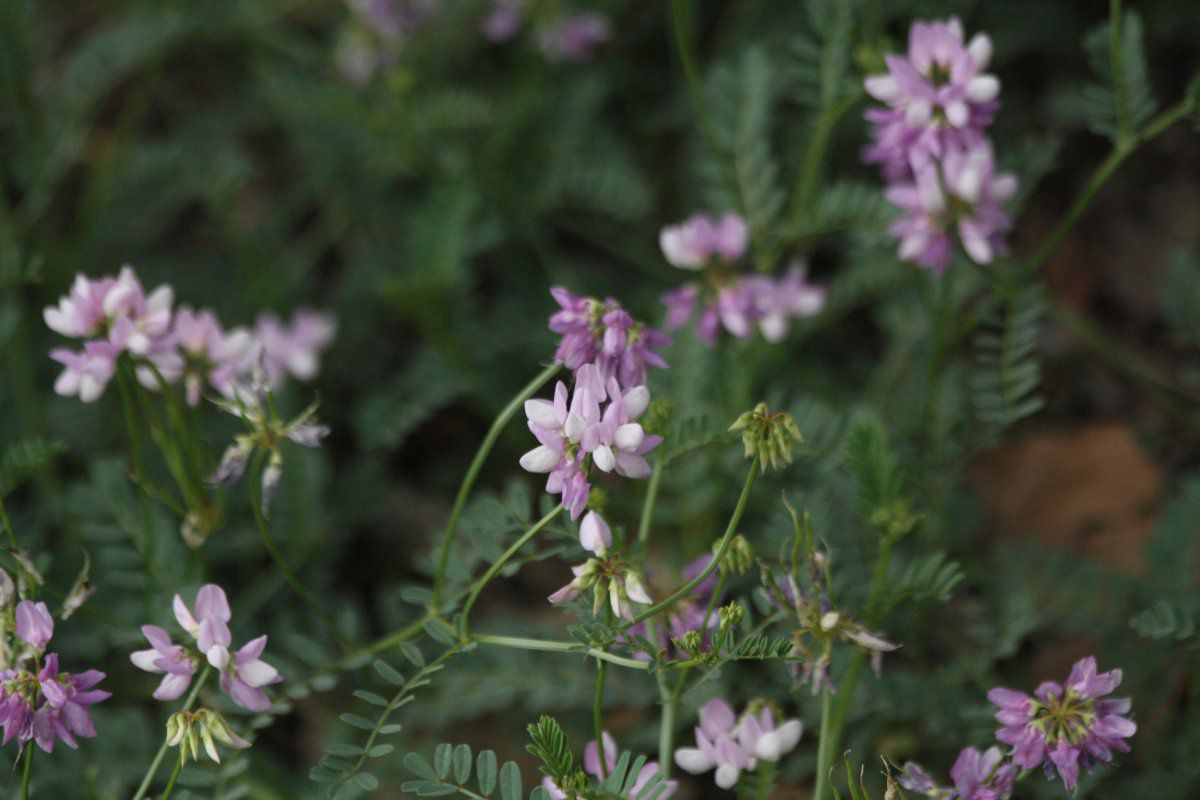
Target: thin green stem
(1104, 171)
(666, 725)
(815, 154)
(647, 518)
(730, 530)
(479, 585)
(824, 747)
(548, 646)
(598, 715)
(171, 781)
(27, 773)
(190, 701)
(269, 542)
(468, 481)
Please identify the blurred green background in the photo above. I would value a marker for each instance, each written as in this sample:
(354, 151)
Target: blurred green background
(220, 147)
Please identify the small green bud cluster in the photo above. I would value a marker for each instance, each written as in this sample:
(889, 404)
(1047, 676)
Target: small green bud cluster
(768, 436)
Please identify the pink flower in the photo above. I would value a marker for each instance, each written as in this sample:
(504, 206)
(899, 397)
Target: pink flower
(605, 335)
(211, 354)
(86, 373)
(35, 626)
(502, 22)
(594, 533)
(165, 658)
(939, 98)
(742, 305)
(294, 348)
(962, 195)
(1067, 727)
(245, 675)
(591, 765)
(731, 745)
(81, 312)
(693, 243)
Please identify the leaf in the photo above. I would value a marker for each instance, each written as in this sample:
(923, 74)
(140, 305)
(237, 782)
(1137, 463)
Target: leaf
(485, 772)
(413, 654)
(371, 697)
(366, 781)
(1123, 99)
(461, 761)
(417, 765)
(510, 782)
(24, 459)
(356, 721)
(389, 674)
(441, 760)
(1008, 368)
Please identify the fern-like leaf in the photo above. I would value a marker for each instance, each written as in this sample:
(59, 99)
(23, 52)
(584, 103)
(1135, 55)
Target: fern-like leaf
(1008, 368)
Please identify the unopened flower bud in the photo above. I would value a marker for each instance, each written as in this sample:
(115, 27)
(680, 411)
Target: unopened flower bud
(829, 620)
(690, 642)
(768, 437)
(739, 557)
(731, 615)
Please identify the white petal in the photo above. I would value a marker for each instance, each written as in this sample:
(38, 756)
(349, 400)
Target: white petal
(539, 459)
(692, 760)
(636, 400)
(957, 113)
(604, 458)
(144, 659)
(980, 49)
(884, 88)
(769, 746)
(218, 656)
(257, 673)
(789, 735)
(727, 776)
(629, 436)
(541, 412)
(983, 88)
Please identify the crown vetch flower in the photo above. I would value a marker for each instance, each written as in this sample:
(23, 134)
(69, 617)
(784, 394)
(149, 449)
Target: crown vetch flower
(731, 745)
(35, 626)
(188, 730)
(571, 436)
(295, 348)
(243, 673)
(976, 776)
(209, 352)
(938, 98)
(963, 196)
(743, 305)
(48, 705)
(698, 240)
(174, 662)
(611, 580)
(1063, 728)
(591, 765)
(605, 335)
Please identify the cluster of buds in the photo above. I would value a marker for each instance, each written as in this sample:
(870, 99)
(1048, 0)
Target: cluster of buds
(189, 730)
(265, 431)
(611, 580)
(768, 436)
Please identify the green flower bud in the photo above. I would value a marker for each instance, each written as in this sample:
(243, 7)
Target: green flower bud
(731, 615)
(738, 558)
(768, 437)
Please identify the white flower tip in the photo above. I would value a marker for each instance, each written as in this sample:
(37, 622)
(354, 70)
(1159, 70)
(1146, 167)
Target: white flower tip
(727, 776)
(539, 459)
(689, 759)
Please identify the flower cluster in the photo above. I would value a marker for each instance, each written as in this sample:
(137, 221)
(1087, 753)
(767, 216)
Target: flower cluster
(40, 702)
(732, 745)
(976, 776)
(591, 765)
(930, 143)
(117, 317)
(1059, 728)
(243, 673)
(741, 304)
(575, 435)
(1064, 727)
(605, 335)
(375, 38)
(188, 730)
(569, 38)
